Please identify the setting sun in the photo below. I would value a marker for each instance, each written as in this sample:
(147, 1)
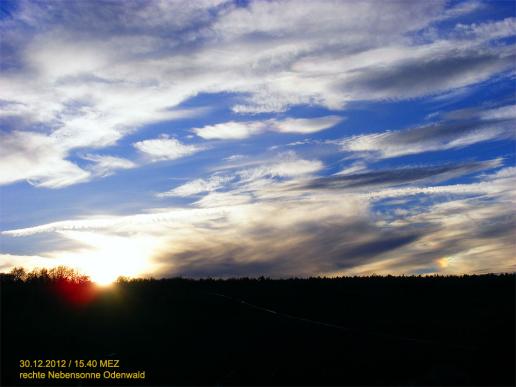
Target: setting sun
(103, 279)
(108, 257)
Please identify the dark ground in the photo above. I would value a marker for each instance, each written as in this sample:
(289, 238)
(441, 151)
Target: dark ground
(372, 331)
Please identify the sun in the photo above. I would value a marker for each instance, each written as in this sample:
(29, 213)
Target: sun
(107, 257)
(103, 278)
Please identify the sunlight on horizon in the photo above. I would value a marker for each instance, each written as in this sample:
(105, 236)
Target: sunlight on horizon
(108, 257)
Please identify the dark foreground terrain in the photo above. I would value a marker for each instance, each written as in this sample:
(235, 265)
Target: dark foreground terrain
(349, 331)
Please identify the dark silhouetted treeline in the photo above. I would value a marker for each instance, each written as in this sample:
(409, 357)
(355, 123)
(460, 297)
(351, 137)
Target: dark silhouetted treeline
(319, 331)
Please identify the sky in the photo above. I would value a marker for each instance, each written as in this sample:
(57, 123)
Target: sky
(218, 138)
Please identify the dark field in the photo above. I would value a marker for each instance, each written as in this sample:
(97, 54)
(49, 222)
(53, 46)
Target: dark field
(350, 331)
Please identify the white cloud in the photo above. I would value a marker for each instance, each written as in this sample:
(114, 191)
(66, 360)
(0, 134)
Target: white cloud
(198, 186)
(38, 159)
(9, 261)
(105, 165)
(239, 130)
(287, 164)
(234, 158)
(358, 166)
(307, 125)
(488, 30)
(79, 77)
(223, 200)
(129, 73)
(230, 130)
(166, 148)
(242, 236)
(457, 130)
(288, 168)
(457, 189)
(501, 113)
(247, 177)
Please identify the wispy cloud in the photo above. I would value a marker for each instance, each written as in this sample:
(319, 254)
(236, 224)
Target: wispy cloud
(90, 75)
(198, 186)
(38, 159)
(85, 87)
(458, 130)
(321, 234)
(398, 176)
(239, 130)
(248, 176)
(230, 130)
(104, 165)
(166, 148)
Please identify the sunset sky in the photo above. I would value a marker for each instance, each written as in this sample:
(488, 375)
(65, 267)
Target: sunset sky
(246, 138)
